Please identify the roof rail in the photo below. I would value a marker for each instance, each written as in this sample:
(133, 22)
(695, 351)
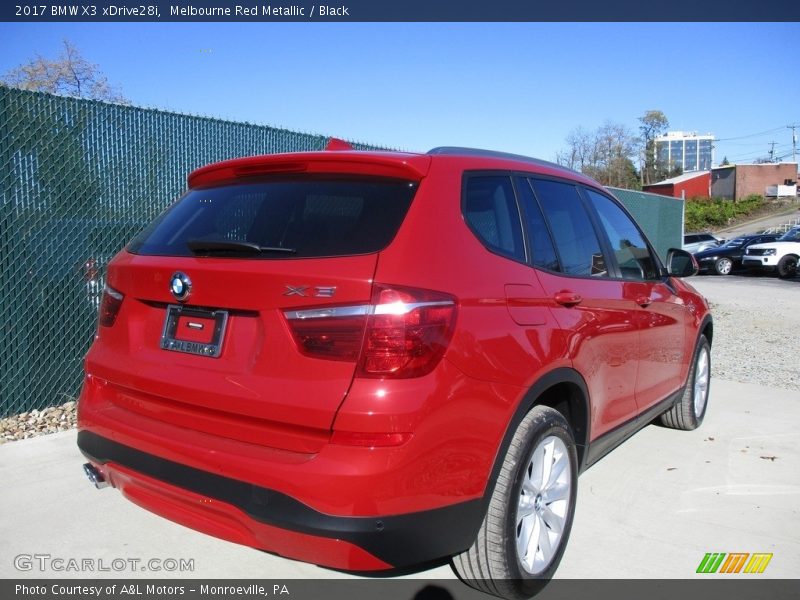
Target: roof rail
(458, 151)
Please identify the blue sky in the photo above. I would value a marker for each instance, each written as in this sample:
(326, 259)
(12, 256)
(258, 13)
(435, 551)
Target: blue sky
(517, 87)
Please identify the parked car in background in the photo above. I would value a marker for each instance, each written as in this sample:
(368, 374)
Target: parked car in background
(697, 242)
(780, 256)
(374, 360)
(727, 257)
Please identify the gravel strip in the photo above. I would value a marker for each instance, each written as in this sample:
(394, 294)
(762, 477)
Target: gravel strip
(756, 321)
(38, 422)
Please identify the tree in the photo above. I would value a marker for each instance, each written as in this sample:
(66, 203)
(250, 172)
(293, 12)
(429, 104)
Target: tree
(652, 124)
(725, 162)
(579, 150)
(673, 171)
(604, 154)
(68, 75)
(616, 144)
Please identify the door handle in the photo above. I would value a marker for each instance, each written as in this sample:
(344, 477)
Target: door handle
(567, 298)
(644, 301)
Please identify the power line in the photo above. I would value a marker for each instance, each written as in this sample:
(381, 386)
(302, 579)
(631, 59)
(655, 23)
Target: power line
(748, 144)
(749, 135)
(779, 149)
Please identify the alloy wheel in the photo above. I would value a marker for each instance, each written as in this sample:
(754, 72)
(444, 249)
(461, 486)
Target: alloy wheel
(701, 379)
(724, 266)
(543, 505)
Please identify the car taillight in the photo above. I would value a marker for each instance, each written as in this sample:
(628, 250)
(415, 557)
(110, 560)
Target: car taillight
(109, 306)
(332, 333)
(407, 332)
(402, 333)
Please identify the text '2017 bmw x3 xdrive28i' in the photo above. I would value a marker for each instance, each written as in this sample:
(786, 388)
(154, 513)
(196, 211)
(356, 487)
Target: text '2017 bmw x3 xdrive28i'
(371, 360)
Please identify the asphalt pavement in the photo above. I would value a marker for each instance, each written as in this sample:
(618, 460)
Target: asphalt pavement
(789, 216)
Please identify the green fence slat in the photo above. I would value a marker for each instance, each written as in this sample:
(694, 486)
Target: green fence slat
(78, 178)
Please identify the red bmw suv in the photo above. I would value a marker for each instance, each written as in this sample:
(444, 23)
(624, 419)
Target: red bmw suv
(372, 360)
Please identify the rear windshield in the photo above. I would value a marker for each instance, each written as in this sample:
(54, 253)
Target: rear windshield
(281, 219)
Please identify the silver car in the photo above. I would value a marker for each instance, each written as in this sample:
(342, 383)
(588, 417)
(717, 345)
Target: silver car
(697, 242)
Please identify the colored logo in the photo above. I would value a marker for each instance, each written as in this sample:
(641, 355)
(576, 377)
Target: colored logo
(734, 562)
(180, 286)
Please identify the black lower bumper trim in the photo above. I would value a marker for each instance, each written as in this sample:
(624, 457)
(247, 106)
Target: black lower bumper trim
(399, 540)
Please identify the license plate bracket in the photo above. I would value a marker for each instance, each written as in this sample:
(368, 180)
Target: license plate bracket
(198, 319)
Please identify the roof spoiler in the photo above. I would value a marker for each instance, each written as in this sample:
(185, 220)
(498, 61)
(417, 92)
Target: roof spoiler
(335, 144)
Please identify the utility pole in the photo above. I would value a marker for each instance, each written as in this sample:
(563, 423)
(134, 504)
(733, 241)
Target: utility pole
(772, 152)
(794, 141)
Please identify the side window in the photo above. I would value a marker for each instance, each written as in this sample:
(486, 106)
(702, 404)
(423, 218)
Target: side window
(542, 248)
(630, 249)
(490, 210)
(575, 238)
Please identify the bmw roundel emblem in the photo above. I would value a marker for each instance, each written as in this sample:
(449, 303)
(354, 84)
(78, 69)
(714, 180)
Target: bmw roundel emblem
(181, 286)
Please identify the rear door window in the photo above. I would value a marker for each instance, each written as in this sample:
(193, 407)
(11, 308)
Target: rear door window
(576, 241)
(633, 256)
(543, 252)
(281, 219)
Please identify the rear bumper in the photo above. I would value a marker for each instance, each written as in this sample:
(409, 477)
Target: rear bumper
(269, 520)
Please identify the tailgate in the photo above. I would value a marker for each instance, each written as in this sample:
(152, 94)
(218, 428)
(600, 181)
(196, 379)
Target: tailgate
(201, 339)
(259, 380)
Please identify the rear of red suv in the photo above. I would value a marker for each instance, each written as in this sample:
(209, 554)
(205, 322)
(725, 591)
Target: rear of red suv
(336, 356)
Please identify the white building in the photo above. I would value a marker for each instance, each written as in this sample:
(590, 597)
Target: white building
(687, 150)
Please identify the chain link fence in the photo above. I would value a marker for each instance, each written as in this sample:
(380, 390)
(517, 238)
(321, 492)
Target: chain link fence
(78, 178)
(660, 217)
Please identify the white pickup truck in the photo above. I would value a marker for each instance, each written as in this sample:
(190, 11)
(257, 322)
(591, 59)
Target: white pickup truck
(781, 255)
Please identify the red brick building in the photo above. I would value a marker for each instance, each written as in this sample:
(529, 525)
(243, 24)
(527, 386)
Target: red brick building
(696, 184)
(735, 182)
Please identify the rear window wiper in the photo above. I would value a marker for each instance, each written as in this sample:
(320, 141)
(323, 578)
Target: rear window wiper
(206, 246)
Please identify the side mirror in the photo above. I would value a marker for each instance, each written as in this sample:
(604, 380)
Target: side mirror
(681, 264)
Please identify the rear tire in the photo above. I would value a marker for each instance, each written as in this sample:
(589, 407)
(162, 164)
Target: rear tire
(689, 412)
(787, 266)
(723, 266)
(528, 521)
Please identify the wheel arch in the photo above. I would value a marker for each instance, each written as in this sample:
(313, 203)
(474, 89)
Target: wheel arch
(707, 329)
(789, 255)
(562, 389)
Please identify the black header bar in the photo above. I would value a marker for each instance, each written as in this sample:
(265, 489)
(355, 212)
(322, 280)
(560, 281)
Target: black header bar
(337, 11)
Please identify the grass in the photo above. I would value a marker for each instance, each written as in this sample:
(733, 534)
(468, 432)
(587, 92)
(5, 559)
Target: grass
(705, 213)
